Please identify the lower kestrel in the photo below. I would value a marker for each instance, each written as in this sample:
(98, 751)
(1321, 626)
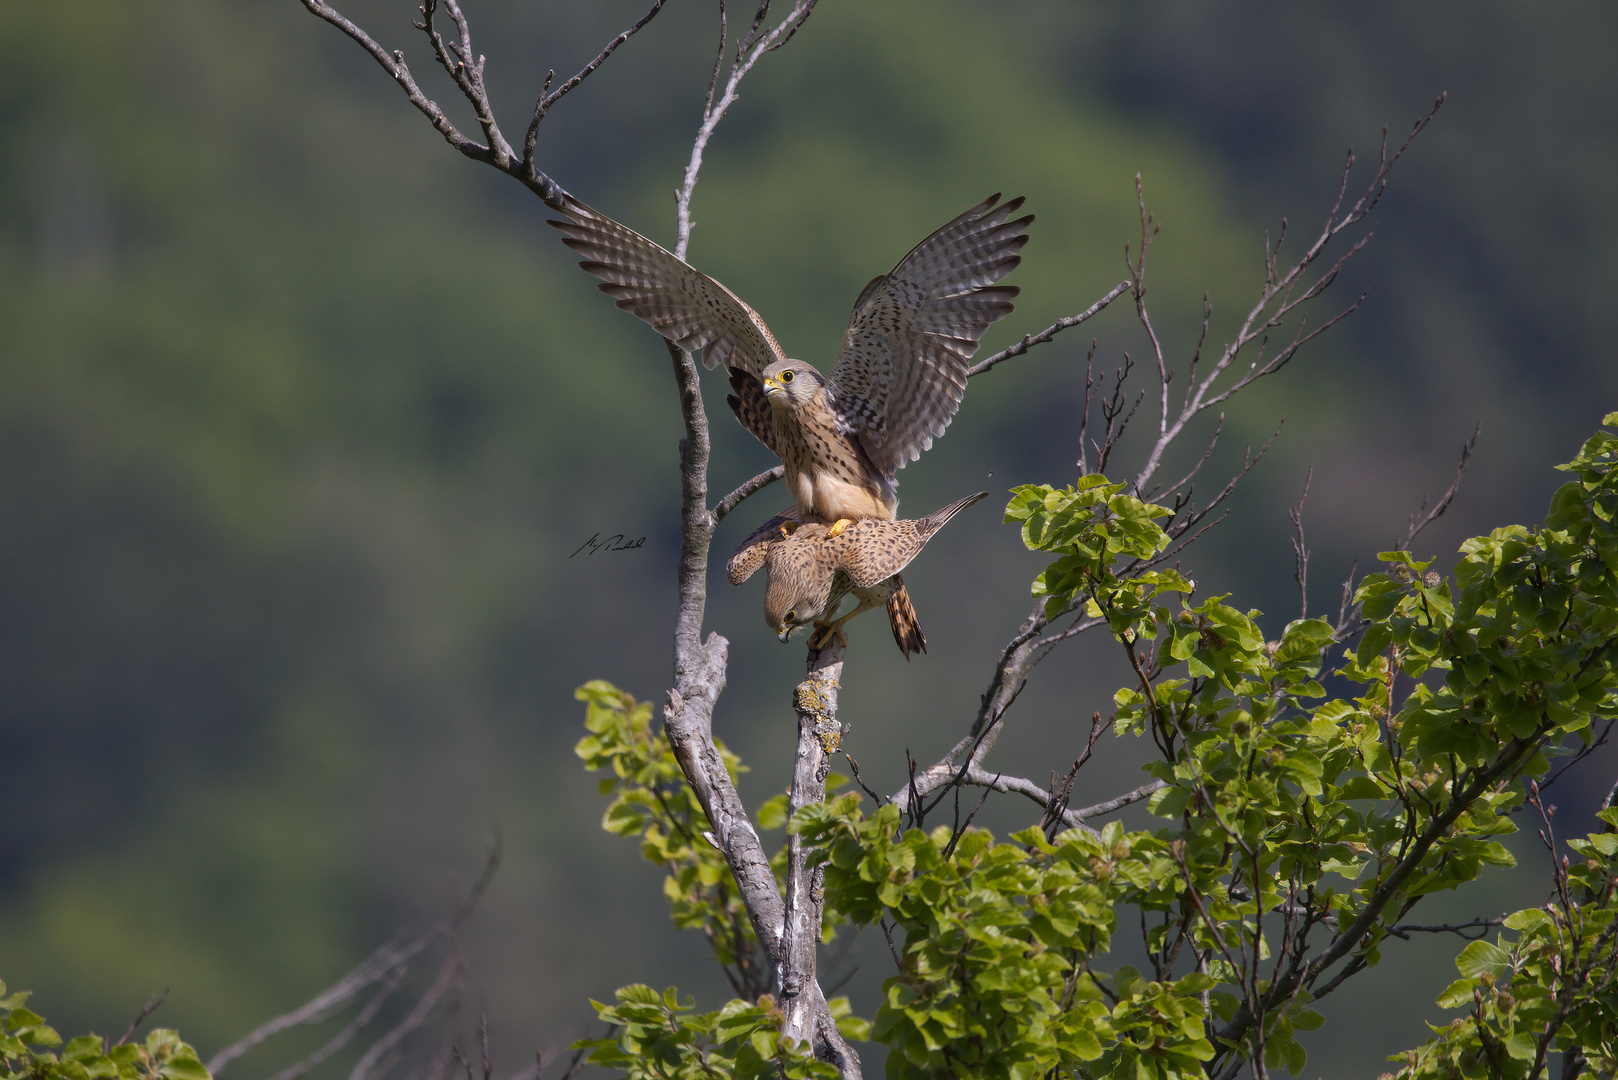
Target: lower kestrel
(811, 570)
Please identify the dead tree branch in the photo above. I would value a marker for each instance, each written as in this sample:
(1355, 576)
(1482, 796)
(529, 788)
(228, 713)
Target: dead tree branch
(385, 968)
(1065, 323)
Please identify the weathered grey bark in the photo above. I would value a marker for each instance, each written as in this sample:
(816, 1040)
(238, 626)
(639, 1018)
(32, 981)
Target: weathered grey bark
(819, 733)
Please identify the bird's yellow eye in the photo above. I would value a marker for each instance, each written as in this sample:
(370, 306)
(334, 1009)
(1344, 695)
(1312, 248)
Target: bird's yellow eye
(786, 376)
(792, 616)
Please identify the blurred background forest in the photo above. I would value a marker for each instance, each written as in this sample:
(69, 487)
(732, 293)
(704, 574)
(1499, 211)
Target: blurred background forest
(303, 417)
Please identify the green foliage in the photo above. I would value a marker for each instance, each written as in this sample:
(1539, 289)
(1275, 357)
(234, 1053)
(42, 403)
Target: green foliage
(1304, 823)
(994, 979)
(657, 1037)
(27, 1042)
(1093, 526)
(650, 799)
(1548, 987)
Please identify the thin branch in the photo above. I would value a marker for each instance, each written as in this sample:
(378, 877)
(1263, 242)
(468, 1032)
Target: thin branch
(546, 100)
(1584, 752)
(378, 967)
(1300, 550)
(748, 52)
(1424, 517)
(1482, 926)
(745, 490)
(148, 1009)
(353, 1028)
(448, 975)
(1065, 323)
(1101, 809)
(1283, 294)
(394, 64)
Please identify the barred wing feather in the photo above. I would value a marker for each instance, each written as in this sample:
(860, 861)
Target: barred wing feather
(902, 369)
(680, 302)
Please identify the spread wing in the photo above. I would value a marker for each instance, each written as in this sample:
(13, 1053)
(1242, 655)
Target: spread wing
(752, 552)
(902, 369)
(680, 302)
(751, 407)
(874, 550)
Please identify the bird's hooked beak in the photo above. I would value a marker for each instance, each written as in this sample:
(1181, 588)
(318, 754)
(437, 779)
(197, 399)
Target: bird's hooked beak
(784, 632)
(772, 387)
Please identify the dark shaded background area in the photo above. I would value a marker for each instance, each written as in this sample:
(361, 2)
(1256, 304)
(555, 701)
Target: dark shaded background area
(301, 416)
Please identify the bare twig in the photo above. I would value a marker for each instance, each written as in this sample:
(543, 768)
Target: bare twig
(749, 51)
(550, 97)
(1424, 517)
(1482, 926)
(1065, 323)
(1584, 752)
(746, 490)
(1101, 809)
(448, 976)
(146, 1010)
(381, 966)
(351, 1029)
(1300, 550)
(1284, 293)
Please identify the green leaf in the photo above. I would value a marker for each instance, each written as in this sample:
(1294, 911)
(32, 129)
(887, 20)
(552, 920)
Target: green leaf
(773, 814)
(1480, 957)
(185, 1066)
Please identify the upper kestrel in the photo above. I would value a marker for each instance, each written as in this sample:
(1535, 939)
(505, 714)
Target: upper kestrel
(898, 378)
(811, 570)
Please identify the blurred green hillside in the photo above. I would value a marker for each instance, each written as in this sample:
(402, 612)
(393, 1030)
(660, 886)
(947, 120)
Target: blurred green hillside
(302, 417)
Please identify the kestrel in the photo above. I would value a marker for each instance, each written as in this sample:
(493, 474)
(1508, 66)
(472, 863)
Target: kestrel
(812, 570)
(898, 378)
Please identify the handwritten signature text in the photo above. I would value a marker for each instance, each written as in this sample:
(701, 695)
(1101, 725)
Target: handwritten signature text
(615, 542)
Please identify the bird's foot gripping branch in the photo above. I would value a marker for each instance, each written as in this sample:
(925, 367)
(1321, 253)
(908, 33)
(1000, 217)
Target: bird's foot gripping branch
(1312, 790)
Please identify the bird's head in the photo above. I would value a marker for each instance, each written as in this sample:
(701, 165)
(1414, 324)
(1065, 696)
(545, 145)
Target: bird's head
(799, 588)
(787, 610)
(791, 384)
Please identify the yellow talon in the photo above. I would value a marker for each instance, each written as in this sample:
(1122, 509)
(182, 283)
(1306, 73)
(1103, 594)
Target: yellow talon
(823, 634)
(837, 529)
(788, 528)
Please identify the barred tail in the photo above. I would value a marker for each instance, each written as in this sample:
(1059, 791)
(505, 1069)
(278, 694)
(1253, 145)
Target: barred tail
(902, 618)
(939, 518)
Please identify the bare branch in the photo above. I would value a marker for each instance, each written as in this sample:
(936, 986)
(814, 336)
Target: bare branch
(353, 1028)
(394, 65)
(1003, 689)
(1065, 323)
(448, 975)
(148, 1009)
(1482, 926)
(1300, 550)
(1101, 809)
(546, 100)
(466, 69)
(1584, 752)
(379, 967)
(745, 490)
(1424, 517)
(749, 51)
(808, 1018)
(1283, 294)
